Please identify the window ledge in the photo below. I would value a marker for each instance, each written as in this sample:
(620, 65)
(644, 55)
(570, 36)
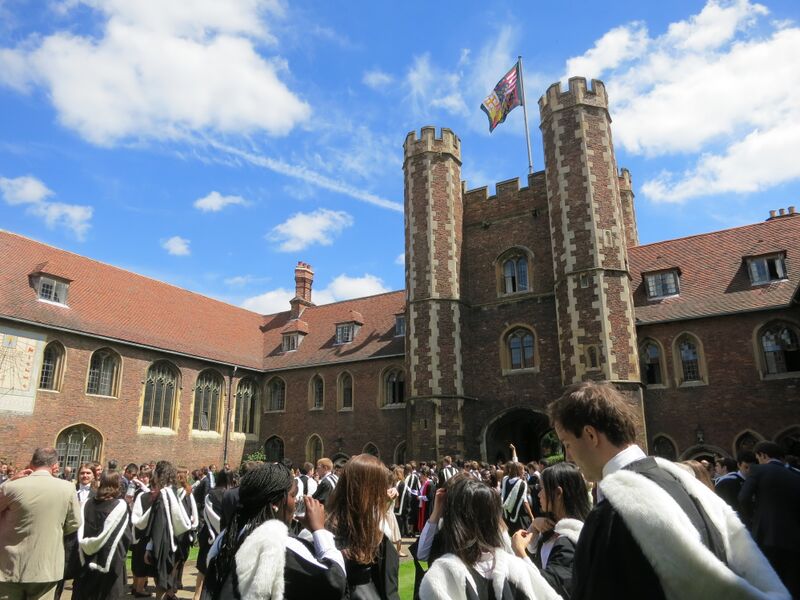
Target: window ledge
(345, 409)
(691, 384)
(316, 408)
(752, 283)
(51, 303)
(147, 430)
(280, 410)
(209, 435)
(528, 371)
(48, 391)
(778, 376)
(393, 406)
(655, 386)
(102, 396)
(248, 437)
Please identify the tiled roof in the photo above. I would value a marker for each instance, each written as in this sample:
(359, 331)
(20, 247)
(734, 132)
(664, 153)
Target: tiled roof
(375, 338)
(713, 275)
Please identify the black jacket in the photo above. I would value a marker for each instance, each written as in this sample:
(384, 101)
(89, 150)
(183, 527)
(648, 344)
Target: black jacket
(770, 497)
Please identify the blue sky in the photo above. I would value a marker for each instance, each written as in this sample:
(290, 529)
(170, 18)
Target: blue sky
(214, 144)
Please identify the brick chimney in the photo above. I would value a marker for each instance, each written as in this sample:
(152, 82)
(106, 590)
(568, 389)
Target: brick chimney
(303, 279)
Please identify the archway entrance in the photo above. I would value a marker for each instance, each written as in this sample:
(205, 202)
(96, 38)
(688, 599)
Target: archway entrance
(77, 445)
(525, 428)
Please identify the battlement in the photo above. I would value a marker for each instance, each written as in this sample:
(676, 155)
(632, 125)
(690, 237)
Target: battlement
(555, 99)
(447, 143)
(509, 198)
(625, 181)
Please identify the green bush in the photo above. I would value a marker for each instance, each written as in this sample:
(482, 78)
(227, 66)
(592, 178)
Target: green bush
(554, 458)
(257, 455)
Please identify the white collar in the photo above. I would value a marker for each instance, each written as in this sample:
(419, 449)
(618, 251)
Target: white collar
(622, 459)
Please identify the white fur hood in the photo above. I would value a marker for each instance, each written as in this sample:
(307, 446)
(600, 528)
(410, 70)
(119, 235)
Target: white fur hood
(449, 577)
(260, 561)
(569, 528)
(689, 570)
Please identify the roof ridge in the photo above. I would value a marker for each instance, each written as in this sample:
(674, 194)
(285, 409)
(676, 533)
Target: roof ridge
(280, 312)
(716, 231)
(129, 271)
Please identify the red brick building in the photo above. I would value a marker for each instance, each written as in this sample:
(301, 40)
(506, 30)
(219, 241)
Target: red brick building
(508, 299)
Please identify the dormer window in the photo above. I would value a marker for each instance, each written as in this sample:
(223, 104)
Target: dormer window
(764, 269)
(52, 290)
(290, 341)
(399, 325)
(662, 284)
(345, 333)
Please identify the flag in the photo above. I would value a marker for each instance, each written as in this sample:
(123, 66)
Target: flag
(504, 98)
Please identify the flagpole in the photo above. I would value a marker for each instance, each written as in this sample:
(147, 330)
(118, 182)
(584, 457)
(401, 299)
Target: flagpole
(525, 113)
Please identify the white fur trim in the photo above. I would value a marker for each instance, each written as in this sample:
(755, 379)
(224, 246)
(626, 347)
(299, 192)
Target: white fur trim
(448, 577)
(260, 561)
(689, 570)
(569, 528)
(91, 546)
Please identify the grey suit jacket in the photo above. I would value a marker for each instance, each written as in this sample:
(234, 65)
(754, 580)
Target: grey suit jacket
(35, 514)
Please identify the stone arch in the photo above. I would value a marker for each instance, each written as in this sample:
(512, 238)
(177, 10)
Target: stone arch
(399, 454)
(664, 446)
(706, 451)
(745, 440)
(522, 426)
(370, 448)
(77, 444)
(340, 459)
(314, 448)
(789, 440)
(513, 269)
(274, 449)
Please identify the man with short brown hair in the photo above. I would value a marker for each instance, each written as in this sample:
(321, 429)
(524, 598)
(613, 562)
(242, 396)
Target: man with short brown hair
(327, 480)
(36, 511)
(656, 531)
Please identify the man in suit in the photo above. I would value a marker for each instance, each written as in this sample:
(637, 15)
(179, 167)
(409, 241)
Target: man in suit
(770, 498)
(656, 531)
(35, 513)
(327, 480)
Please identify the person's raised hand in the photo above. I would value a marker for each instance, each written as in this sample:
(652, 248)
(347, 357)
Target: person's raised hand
(314, 519)
(438, 505)
(542, 524)
(519, 542)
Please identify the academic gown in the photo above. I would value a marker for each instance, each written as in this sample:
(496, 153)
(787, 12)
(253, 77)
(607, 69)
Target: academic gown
(142, 502)
(211, 526)
(102, 575)
(376, 581)
(425, 501)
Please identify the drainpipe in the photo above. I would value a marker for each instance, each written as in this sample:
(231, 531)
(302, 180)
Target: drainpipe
(228, 417)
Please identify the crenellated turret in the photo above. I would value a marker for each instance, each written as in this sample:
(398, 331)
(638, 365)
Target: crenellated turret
(628, 209)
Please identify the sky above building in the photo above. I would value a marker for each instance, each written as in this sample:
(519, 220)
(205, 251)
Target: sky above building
(214, 144)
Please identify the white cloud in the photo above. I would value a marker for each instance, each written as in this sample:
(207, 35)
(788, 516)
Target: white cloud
(304, 229)
(401, 259)
(377, 79)
(238, 280)
(23, 190)
(617, 45)
(162, 70)
(215, 202)
(343, 287)
(177, 246)
(718, 88)
(434, 87)
(30, 191)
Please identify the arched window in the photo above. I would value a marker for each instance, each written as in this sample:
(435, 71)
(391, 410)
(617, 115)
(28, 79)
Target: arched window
(160, 391)
(314, 449)
(519, 345)
(746, 441)
(394, 387)
(316, 393)
(789, 439)
(276, 394)
(345, 391)
(592, 358)
(400, 453)
(104, 370)
(515, 274)
(664, 447)
(372, 449)
(689, 356)
(207, 395)
(244, 419)
(273, 449)
(52, 367)
(650, 363)
(77, 445)
(781, 349)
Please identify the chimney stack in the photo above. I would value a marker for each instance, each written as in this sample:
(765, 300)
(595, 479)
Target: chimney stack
(303, 279)
(792, 210)
(782, 212)
(773, 214)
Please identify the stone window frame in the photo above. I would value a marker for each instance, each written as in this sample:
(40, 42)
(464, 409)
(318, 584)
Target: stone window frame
(52, 290)
(214, 427)
(513, 253)
(598, 358)
(650, 284)
(310, 454)
(667, 438)
(366, 450)
(312, 392)
(383, 385)
(505, 350)
(290, 342)
(172, 427)
(340, 392)
(346, 332)
(773, 261)
(282, 453)
(253, 410)
(116, 376)
(268, 396)
(760, 353)
(662, 364)
(702, 367)
(739, 435)
(58, 368)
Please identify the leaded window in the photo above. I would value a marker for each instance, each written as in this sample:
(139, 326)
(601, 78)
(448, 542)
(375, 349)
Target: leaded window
(207, 394)
(346, 391)
(764, 269)
(663, 284)
(317, 392)
(394, 387)
(520, 349)
(77, 445)
(690, 360)
(244, 419)
(314, 449)
(515, 275)
(53, 290)
(160, 390)
(273, 449)
(103, 373)
(781, 349)
(650, 364)
(52, 363)
(276, 390)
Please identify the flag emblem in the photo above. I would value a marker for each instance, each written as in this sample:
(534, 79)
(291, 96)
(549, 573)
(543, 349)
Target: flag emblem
(504, 98)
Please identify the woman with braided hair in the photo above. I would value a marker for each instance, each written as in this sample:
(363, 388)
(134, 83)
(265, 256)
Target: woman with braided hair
(358, 517)
(257, 557)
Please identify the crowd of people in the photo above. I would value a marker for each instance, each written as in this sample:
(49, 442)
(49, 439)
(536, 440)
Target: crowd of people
(608, 522)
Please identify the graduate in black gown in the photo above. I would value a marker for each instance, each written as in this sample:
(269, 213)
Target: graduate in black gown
(257, 556)
(357, 510)
(142, 499)
(188, 538)
(103, 540)
(210, 529)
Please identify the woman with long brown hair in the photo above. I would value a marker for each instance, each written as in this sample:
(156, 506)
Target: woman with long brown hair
(357, 516)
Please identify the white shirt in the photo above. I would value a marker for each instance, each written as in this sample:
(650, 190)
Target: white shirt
(621, 460)
(83, 493)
